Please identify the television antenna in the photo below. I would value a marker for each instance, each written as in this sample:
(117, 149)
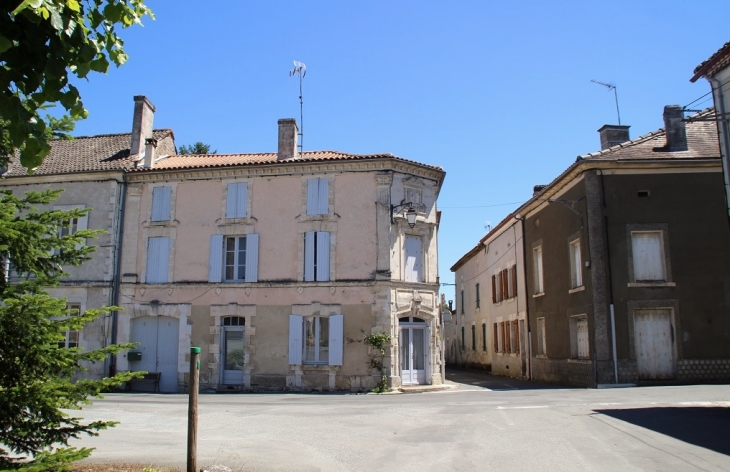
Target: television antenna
(300, 69)
(615, 95)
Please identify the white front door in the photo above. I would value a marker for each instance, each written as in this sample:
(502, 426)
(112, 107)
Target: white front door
(413, 355)
(232, 355)
(654, 344)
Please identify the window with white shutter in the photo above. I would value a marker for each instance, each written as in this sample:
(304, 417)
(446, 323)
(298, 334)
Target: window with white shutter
(236, 200)
(541, 346)
(579, 346)
(316, 256)
(648, 256)
(233, 258)
(316, 340)
(295, 339)
(537, 261)
(161, 200)
(317, 196)
(576, 273)
(414, 259)
(158, 257)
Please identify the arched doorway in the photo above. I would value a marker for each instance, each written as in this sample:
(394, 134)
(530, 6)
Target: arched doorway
(413, 341)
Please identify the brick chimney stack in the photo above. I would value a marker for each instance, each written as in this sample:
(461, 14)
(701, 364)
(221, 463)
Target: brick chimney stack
(611, 135)
(149, 153)
(144, 114)
(288, 134)
(674, 128)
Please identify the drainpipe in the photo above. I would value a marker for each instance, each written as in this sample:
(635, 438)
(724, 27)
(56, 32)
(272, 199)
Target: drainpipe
(118, 272)
(722, 123)
(527, 304)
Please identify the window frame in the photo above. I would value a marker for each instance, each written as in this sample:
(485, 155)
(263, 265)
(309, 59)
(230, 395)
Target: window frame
(537, 261)
(317, 322)
(541, 337)
(316, 204)
(317, 260)
(576, 263)
(473, 337)
(161, 194)
(236, 266)
(71, 333)
(663, 230)
(478, 299)
(233, 208)
(576, 350)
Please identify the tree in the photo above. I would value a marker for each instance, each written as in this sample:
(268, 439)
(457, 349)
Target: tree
(35, 372)
(197, 148)
(42, 42)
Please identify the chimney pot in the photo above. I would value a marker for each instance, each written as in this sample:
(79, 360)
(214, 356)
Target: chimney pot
(144, 114)
(288, 134)
(612, 135)
(149, 152)
(537, 189)
(674, 128)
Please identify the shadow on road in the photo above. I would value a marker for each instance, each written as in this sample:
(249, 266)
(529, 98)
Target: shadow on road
(702, 426)
(483, 380)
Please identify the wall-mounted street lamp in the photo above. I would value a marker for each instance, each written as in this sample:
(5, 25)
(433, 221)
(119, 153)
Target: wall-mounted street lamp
(411, 212)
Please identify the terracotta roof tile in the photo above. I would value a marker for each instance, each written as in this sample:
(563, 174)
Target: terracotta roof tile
(192, 161)
(87, 154)
(714, 63)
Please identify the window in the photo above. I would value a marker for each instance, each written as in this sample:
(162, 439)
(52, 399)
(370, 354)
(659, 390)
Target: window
(477, 291)
(461, 306)
(73, 225)
(648, 256)
(506, 336)
(236, 200)
(537, 261)
(161, 198)
(232, 349)
(414, 259)
(473, 338)
(315, 339)
(495, 337)
(484, 337)
(72, 336)
(495, 294)
(514, 333)
(158, 258)
(576, 275)
(512, 280)
(579, 348)
(463, 338)
(541, 351)
(317, 196)
(316, 256)
(234, 258)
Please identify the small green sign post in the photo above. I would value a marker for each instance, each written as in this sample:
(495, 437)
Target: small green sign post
(193, 409)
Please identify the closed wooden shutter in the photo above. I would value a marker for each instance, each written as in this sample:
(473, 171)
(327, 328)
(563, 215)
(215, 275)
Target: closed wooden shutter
(473, 338)
(323, 256)
(313, 197)
(581, 327)
(505, 335)
(414, 256)
(516, 325)
(484, 337)
(495, 338)
(295, 339)
(494, 289)
(336, 339)
(236, 200)
(158, 258)
(648, 256)
(215, 262)
(514, 280)
(161, 197)
(323, 197)
(309, 256)
(252, 257)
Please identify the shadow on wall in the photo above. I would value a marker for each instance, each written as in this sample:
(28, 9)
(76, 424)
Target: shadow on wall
(702, 426)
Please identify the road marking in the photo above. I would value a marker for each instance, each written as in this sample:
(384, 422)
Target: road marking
(506, 419)
(529, 407)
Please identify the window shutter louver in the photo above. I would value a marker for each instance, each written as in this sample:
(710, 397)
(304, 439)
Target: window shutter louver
(158, 257)
(161, 197)
(215, 262)
(252, 258)
(309, 256)
(241, 200)
(323, 197)
(323, 256)
(312, 196)
(494, 289)
(295, 339)
(336, 339)
(514, 280)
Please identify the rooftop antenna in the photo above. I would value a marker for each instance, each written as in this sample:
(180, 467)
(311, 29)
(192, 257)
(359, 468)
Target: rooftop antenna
(300, 69)
(615, 95)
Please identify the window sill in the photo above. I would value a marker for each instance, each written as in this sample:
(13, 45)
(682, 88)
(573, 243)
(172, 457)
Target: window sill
(541, 356)
(315, 367)
(577, 289)
(580, 361)
(651, 284)
(538, 295)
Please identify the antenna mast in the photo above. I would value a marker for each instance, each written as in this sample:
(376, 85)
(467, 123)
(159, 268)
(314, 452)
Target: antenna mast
(615, 95)
(300, 69)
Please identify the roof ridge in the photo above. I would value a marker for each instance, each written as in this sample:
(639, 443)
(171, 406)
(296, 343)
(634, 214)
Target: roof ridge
(108, 135)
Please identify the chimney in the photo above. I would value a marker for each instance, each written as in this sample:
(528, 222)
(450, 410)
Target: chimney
(674, 128)
(144, 113)
(149, 153)
(537, 189)
(611, 135)
(288, 133)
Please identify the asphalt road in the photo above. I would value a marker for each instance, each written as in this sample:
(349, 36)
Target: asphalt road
(487, 423)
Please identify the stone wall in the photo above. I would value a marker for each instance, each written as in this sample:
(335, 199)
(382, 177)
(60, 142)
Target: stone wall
(692, 370)
(563, 371)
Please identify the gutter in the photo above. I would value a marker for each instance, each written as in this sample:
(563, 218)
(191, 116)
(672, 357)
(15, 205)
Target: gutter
(118, 272)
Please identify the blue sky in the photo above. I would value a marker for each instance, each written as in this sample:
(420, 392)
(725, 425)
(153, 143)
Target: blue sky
(497, 93)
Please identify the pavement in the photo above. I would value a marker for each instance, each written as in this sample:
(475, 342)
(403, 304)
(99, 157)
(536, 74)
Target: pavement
(481, 422)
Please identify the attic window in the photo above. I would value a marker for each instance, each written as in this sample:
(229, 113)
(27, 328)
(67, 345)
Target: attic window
(643, 194)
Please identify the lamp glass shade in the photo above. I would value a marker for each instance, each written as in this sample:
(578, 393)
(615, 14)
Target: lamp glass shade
(411, 215)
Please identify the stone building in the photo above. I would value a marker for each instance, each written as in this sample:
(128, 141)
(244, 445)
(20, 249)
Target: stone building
(278, 265)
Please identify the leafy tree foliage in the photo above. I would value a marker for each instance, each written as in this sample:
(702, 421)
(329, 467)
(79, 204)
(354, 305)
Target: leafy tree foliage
(35, 372)
(41, 43)
(197, 148)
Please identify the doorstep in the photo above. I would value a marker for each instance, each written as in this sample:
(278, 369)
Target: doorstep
(426, 388)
